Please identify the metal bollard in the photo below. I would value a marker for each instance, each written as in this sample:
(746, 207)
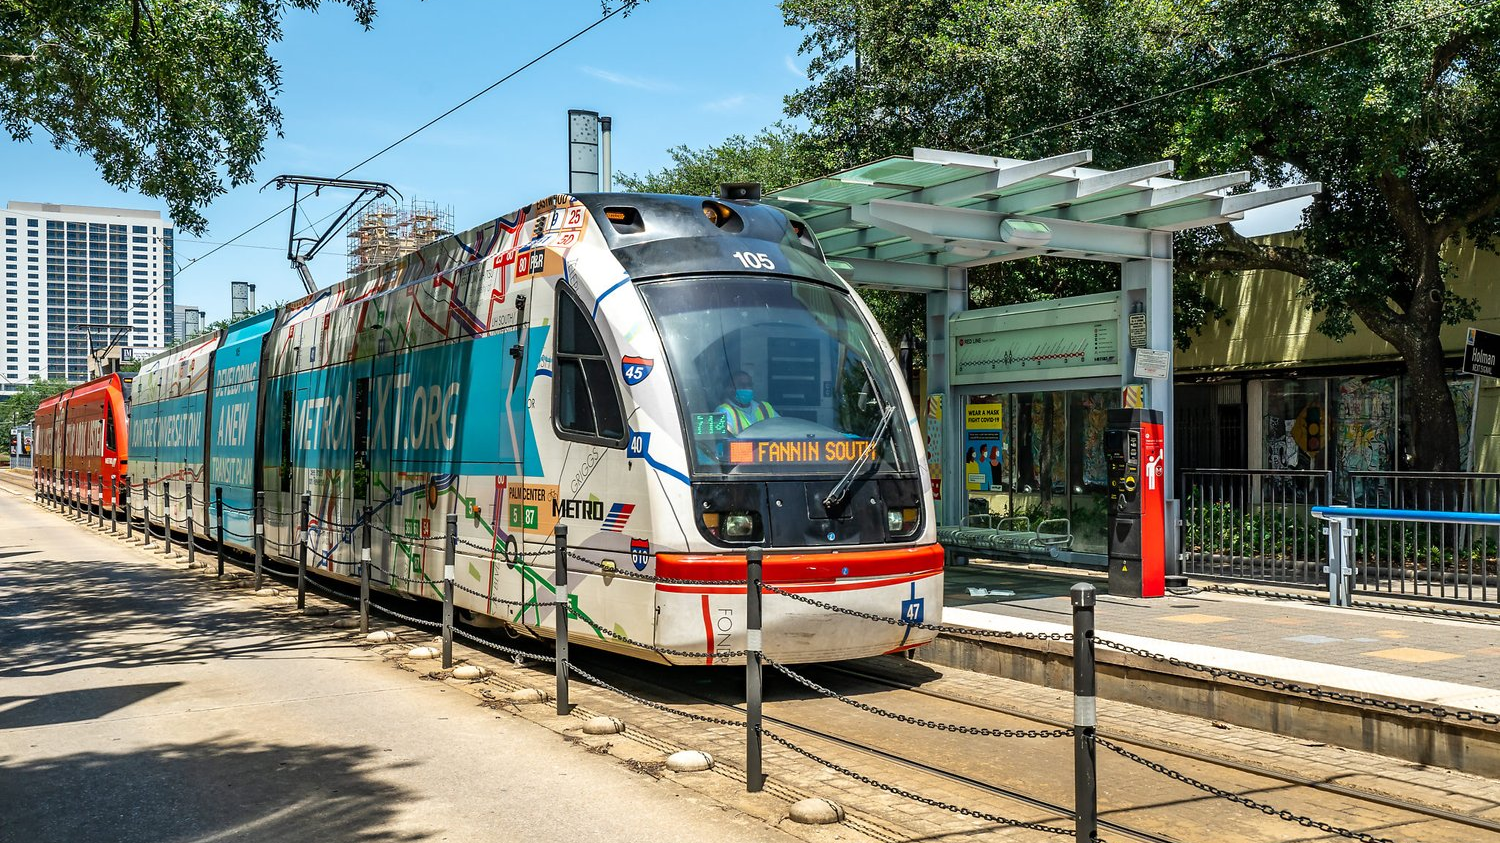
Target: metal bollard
(1085, 716)
(125, 503)
(560, 614)
(88, 498)
(114, 503)
(219, 524)
(754, 781)
(191, 542)
(364, 575)
(146, 513)
(450, 550)
(302, 554)
(260, 535)
(166, 515)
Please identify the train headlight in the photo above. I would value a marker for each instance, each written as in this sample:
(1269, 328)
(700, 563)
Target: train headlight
(901, 521)
(738, 525)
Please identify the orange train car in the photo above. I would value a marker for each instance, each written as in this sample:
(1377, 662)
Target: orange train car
(80, 440)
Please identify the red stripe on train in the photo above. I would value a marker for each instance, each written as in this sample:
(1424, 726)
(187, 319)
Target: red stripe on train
(786, 568)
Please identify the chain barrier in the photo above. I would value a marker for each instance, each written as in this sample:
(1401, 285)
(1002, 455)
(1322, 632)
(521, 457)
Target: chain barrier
(502, 648)
(518, 604)
(426, 541)
(931, 627)
(1305, 822)
(232, 508)
(906, 794)
(636, 575)
(492, 548)
(1283, 685)
(702, 718)
(686, 654)
(916, 721)
(1484, 617)
(405, 618)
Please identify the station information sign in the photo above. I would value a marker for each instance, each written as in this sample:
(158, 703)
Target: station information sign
(1481, 351)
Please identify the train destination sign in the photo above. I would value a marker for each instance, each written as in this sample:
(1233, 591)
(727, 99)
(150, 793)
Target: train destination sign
(824, 451)
(1481, 350)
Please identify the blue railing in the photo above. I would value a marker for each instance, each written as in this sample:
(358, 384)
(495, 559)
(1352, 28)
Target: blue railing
(1437, 554)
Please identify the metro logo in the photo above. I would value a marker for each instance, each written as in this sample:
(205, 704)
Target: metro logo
(618, 517)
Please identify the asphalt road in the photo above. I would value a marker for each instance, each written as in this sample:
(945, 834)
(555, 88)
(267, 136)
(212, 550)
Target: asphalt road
(141, 703)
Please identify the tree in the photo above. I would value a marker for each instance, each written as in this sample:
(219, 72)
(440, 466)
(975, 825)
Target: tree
(1394, 105)
(20, 407)
(169, 97)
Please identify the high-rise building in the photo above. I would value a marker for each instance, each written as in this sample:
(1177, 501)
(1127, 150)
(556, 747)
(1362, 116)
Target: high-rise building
(69, 265)
(187, 321)
(241, 300)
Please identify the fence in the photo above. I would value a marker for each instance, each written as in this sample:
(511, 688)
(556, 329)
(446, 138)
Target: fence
(1254, 524)
(1086, 742)
(1260, 526)
(1434, 554)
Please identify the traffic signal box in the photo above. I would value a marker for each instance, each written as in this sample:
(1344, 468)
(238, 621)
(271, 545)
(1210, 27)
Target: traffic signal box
(1137, 522)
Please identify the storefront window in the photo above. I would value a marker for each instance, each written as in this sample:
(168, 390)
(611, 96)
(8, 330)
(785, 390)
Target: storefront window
(1295, 425)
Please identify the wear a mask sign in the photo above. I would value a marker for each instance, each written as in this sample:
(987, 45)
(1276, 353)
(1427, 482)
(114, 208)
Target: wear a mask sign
(984, 436)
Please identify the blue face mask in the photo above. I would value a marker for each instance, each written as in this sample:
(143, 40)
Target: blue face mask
(744, 396)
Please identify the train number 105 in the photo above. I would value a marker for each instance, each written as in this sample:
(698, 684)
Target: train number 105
(755, 260)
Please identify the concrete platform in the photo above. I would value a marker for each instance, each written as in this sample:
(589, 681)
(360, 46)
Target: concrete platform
(1386, 658)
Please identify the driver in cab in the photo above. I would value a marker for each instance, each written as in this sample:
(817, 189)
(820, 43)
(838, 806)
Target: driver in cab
(742, 410)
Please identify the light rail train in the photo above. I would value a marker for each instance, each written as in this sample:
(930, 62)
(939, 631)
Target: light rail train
(79, 440)
(575, 363)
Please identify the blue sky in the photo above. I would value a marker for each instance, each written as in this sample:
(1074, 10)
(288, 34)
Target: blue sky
(673, 72)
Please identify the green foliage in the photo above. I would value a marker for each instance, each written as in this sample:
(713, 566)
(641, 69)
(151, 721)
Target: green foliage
(778, 157)
(169, 97)
(1402, 128)
(19, 408)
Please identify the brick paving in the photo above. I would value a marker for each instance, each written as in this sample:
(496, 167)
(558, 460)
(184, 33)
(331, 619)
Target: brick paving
(877, 815)
(1465, 652)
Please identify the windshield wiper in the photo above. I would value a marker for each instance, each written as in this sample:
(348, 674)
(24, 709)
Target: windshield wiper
(835, 500)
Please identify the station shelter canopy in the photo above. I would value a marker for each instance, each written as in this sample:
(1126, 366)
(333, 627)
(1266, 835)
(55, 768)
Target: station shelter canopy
(901, 222)
(918, 223)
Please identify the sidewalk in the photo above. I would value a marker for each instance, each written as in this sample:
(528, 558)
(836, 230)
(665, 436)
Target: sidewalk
(140, 707)
(1442, 661)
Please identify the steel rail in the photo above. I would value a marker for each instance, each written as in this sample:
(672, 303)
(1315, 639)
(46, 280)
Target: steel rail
(1182, 752)
(1060, 810)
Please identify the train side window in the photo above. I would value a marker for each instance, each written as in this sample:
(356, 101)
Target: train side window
(109, 429)
(361, 438)
(585, 401)
(286, 441)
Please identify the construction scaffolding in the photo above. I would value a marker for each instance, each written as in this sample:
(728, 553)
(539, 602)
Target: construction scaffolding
(384, 232)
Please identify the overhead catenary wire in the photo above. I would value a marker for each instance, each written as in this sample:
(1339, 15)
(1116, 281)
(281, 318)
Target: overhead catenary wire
(623, 7)
(1276, 62)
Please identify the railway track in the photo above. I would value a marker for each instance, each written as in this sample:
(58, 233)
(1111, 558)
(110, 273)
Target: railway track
(1033, 778)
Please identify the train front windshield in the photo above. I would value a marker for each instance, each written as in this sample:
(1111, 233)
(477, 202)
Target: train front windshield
(778, 377)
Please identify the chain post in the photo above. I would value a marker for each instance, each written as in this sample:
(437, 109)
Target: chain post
(364, 574)
(450, 550)
(88, 498)
(114, 504)
(560, 615)
(125, 503)
(145, 513)
(302, 554)
(219, 524)
(754, 781)
(166, 515)
(259, 535)
(191, 544)
(1085, 716)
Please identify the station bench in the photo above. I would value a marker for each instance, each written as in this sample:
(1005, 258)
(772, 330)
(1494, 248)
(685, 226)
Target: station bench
(987, 534)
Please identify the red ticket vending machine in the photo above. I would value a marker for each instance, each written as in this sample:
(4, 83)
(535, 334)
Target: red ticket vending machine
(1133, 444)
